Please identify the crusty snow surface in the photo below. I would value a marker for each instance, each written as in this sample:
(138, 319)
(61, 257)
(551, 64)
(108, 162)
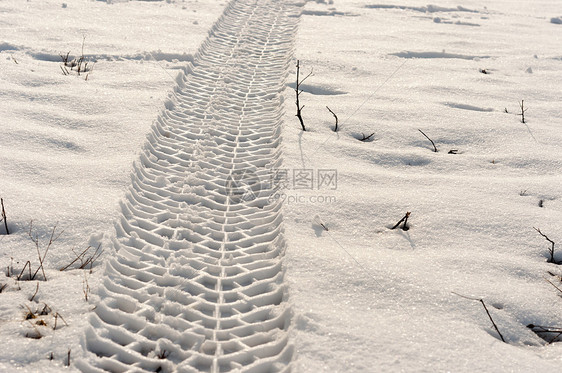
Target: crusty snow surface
(231, 240)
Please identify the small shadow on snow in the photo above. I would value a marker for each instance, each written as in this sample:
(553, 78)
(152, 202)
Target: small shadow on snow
(318, 226)
(422, 9)
(410, 54)
(459, 23)
(406, 235)
(466, 107)
(401, 160)
(556, 20)
(142, 56)
(318, 230)
(12, 227)
(59, 144)
(317, 89)
(415, 162)
(330, 13)
(8, 47)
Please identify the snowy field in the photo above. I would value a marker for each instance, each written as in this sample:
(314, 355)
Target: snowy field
(309, 277)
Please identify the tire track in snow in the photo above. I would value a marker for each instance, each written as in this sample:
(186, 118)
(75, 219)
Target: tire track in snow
(197, 281)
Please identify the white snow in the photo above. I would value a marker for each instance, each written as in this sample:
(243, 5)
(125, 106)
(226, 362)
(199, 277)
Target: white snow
(361, 297)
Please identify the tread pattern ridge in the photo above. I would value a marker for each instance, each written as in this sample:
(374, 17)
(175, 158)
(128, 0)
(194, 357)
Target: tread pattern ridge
(196, 284)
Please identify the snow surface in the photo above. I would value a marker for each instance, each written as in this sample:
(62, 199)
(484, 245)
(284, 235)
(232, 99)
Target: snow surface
(362, 297)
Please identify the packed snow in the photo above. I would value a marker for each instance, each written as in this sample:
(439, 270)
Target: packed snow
(125, 157)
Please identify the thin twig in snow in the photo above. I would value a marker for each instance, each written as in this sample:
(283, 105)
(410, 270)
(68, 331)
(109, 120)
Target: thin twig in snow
(366, 138)
(487, 312)
(34, 294)
(4, 216)
(556, 287)
(427, 137)
(523, 110)
(335, 116)
(551, 249)
(405, 220)
(298, 91)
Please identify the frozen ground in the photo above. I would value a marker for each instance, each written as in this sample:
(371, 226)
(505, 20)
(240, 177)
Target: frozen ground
(355, 297)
